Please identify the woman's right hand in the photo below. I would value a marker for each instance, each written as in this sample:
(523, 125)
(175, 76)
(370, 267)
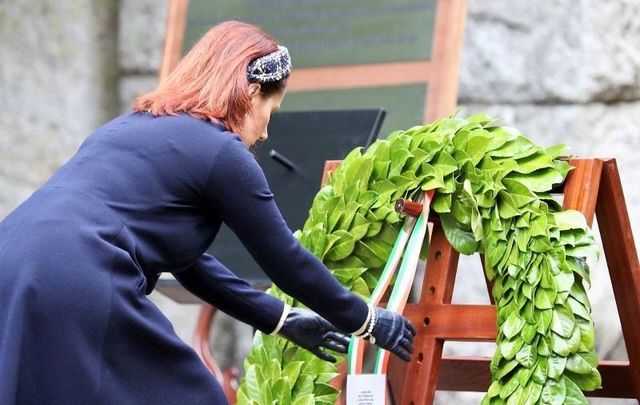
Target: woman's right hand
(394, 333)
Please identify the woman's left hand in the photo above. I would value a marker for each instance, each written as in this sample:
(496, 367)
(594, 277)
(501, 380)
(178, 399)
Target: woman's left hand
(312, 332)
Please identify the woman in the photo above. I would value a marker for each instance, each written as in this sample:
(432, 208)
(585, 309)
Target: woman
(146, 194)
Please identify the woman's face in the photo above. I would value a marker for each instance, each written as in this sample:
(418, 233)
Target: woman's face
(262, 106)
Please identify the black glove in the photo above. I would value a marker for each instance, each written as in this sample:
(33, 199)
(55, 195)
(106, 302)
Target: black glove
(311, 331)
(394, 333)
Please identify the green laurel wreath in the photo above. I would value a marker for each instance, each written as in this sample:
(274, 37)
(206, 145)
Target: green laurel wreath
(493, 197)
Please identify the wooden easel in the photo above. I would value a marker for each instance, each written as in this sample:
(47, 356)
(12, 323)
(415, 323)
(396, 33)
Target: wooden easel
(593, 188)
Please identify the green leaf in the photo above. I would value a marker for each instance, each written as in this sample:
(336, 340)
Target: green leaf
(540, 180)
(574, 341)
(374, 229)
(374, 250)
(477, 146)
(252, 382)
(520, 194)
(506, 369)
(303, 386)
(570, 219)
(578, 293)
(534, 162)
(565, 280)
(494, 389)
(534, 395)
(241, 397)
(544, 348)
(359, 231)
(507, 206)
(398, 159)
(461, 240)
(578, 364)
(326, 377)
(574, 395)
(586, 382)
(529, 332)
(322, 389)
(347, 275)
(343, 247)
(527, 356)
(587, 335)
(266, 396)
(442, 203)
(360, 287)
(540, 374)
(544, 320)
(555, 366)
(509, 387)
(559, 345)
(305, 400)
(445, 164)
(562, 322)
(335, 215)
(291, 371)
(281, 390)
(519, 146)
(554, 392)
(544, 298)
(513, 325)
(509, 348)
(515, 395)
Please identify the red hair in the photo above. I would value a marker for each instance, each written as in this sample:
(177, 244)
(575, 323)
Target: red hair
(210, 82)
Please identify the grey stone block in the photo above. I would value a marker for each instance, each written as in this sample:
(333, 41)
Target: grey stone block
(182, 316)
(552, 50)
(133, 86)
(58, 80)
(141, 30)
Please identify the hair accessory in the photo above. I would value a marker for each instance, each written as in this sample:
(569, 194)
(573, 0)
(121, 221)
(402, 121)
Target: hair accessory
(270, 68)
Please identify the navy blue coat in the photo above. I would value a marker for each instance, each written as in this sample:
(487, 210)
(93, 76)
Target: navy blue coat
(143, 195)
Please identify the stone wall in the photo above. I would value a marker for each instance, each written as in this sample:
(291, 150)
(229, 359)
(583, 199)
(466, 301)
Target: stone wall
(558, 70)
(58, 80)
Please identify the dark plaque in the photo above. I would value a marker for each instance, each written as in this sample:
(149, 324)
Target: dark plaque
(329, 32)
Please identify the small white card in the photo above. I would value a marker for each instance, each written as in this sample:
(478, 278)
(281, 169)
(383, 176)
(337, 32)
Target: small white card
(366, 389)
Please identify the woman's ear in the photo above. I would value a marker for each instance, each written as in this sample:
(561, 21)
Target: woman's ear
(254, 89)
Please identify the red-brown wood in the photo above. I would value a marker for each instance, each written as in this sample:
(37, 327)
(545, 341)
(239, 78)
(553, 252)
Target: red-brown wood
(472, 374)
(174, 36)
(582, 185)
(408, 207)
(622, 260)
(447, 49)
(593, 187)
(329, 167)
(453, 321)
(227, 378)
(425, 363)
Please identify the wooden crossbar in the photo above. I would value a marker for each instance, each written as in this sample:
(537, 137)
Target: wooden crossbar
(593, 188)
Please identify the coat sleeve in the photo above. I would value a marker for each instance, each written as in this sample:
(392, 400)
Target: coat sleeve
(238, 191)
(212, 282)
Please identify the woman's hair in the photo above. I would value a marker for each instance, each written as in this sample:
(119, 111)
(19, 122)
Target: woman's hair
(211, 82)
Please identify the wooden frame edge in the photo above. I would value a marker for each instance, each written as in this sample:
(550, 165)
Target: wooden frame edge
(173, 36)
(442, 94)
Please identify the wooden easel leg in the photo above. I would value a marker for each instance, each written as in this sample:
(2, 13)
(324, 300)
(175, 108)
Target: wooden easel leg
(416, 382)
(622, 260)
